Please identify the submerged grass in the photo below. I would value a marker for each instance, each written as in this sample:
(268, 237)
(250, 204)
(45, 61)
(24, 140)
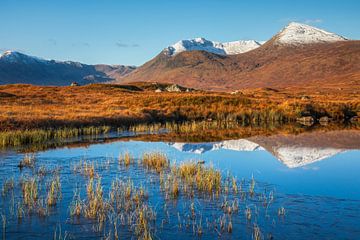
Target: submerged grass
(85, 168)
(126, 159)
(30, 192)
(126, 203)
(27, 161)
(54, 192)
(155, 161)
(8, 186)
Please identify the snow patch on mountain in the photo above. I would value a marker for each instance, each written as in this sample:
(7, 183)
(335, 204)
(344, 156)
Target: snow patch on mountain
(298, 33)
(201, 44)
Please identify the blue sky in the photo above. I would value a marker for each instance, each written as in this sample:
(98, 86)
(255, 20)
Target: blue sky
(132, 32)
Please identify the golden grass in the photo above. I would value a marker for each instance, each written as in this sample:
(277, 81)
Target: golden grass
(126, 159)
(95, 205)
(126, 204)
(54, 192)
(85, 168)
(205, 179)
(35, 107)
(40, 136)
(155, 161)
(30, 191)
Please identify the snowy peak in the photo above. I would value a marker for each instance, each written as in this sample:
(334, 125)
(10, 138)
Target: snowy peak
(17, 57)
(201, 44)
(298, 33)
(293, 34)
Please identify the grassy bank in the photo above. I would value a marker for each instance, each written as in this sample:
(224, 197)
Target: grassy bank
(33, 107)
(39, 136)
(203, 131)
(33, 114)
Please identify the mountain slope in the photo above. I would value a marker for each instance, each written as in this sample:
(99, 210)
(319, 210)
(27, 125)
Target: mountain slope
(306, 58)
(16, 67)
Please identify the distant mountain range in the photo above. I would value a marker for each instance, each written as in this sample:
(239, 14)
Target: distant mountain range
(16, 67)
(298, 56)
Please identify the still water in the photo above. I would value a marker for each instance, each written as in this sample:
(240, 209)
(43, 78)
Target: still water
(313, 176)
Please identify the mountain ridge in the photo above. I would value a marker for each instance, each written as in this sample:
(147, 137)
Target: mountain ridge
(331, 61)
(298, 56)
(16, 67)
(202, 44)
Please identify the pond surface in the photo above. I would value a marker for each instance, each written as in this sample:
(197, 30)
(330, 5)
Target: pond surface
(307, 187)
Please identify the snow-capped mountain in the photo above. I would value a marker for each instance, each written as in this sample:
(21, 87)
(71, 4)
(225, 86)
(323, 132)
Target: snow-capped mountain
(294, 34)
(16, 67)
(298, 33)
(228, 48)
(289, 59)
(17, 57)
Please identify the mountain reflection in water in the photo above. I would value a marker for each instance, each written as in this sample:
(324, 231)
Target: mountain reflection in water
(292, 150)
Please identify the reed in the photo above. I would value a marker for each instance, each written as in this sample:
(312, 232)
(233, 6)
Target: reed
(257, 235)
(230, 227)
(155, 161)
(281, 211)
(85, 168)
(126, 159)
(41, 208)
(28, 161)
(95, 203)
(20, 211)
(8, 186)
(248, 213)
(76, 205)
(252, 186)
(30, 192)
(39, 136)
(205, 179)
(143, 229)
(54, 192)
(234, 185)
(41, 172)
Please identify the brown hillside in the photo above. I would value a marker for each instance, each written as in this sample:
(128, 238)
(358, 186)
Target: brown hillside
(333, 65)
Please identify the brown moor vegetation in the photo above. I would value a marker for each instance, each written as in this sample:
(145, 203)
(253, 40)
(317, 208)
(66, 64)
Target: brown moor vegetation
(33, 107)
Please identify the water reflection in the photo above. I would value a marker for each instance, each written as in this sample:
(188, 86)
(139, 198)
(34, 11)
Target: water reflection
(321, 163)
(292, 151)
(314, 175)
